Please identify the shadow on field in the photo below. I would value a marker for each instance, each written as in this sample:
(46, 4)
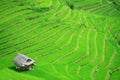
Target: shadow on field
(13, 68)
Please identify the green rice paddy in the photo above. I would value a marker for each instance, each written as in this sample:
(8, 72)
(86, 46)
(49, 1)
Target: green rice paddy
(68, 39)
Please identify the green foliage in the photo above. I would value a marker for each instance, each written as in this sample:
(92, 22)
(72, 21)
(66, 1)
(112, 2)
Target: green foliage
(116, 3)
(70, 4)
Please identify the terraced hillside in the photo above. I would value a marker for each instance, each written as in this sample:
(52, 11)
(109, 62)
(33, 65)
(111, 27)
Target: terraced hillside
(69, 39)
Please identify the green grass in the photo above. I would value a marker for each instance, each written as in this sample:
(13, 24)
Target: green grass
(79, 43)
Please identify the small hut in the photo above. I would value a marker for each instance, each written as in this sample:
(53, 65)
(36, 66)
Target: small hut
(23, 62)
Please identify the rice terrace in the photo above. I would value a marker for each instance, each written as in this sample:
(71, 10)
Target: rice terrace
(68, 39)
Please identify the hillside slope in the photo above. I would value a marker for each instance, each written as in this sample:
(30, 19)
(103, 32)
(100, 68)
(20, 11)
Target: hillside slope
(69, 39)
